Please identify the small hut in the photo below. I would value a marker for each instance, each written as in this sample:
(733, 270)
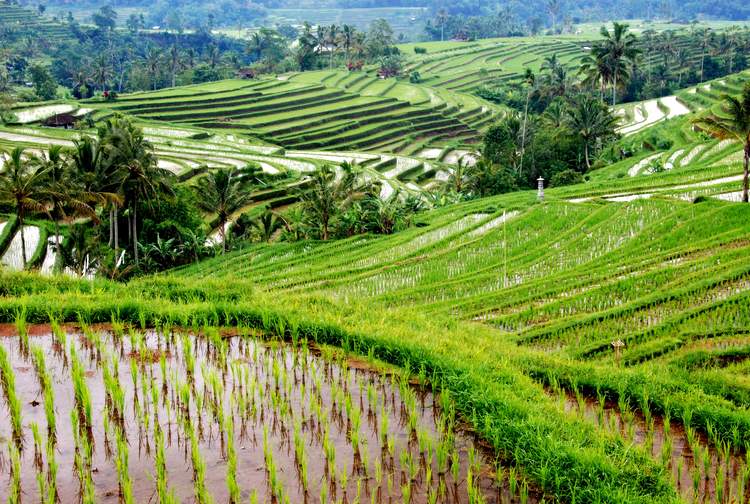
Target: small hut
(66, 121)
(246, 73)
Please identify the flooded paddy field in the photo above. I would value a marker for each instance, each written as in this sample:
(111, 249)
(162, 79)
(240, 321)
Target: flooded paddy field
(114, 414)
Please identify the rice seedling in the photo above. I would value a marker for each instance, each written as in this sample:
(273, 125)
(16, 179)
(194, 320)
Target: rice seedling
(7, 375)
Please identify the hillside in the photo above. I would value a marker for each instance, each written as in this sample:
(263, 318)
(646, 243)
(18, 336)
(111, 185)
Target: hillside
(590, 345)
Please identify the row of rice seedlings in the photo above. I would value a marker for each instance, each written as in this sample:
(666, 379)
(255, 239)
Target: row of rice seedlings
(8, 379)
(719, 469)
(45, 384)
(294, 404)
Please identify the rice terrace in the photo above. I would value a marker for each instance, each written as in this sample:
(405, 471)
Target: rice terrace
(392, 252)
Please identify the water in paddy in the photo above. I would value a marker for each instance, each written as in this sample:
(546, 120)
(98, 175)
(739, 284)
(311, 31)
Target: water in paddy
(702, 470)
(287, 424)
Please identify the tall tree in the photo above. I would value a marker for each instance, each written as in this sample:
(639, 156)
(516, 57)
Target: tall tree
(153, 64)
(529, 80)
(554, 7)
(132, 157)
(590, 120)
(620, 49)
(330, 193)
(733, 124)
(223, 192)
(175, 62)
(24, 185)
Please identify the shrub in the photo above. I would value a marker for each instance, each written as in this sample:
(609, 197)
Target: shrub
(565, 177)
(420, 50)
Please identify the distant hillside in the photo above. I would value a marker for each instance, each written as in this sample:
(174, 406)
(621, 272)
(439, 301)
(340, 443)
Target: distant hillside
(196, 12)
(16, 21)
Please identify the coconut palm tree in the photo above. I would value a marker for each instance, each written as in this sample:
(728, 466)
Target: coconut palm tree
(266, 224)
(255, 46)
(223, 192)
(441, 19)
(554, 7)
(620, 50)
(175, 62)
(705, 41)
(329, 193)
(62, 190)
(131, 157)
(348, 34)
(24, 185)
(153, 64)
(459, 177)
(529, 79)
(590, 120)
(96, 181)
(332, 41)
(733, 124)
(595, 71)
(101, 72)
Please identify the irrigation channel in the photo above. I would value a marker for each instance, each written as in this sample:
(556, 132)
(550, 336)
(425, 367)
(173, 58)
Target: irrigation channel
(113, 414)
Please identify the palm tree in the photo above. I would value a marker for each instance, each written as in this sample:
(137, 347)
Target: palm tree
(153, 64)
(255, 46)
(80, 80)
(459, 176)
(214, 55)
(267, 224)
(101, 72)
(596, 71)
(132, 157)
(24, 185)
(620, 49)
(733, 124)
(332, 42)
(60, 191)
(442, 18)
(705, 42)
(386, 214)
(175, 62)
(529, 80)
(329, 193)
(553, 7)
(96, 181)
(348, 33)
(550, 63)
(668, 45)
(590, 120)
(222, 192)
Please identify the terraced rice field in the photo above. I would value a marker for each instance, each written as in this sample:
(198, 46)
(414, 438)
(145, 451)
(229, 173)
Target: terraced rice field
(189, 151)
(227, 417)
(317, 110)
(18, 18)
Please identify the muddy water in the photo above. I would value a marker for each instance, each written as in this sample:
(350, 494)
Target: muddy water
(700, 472)
(266, 392)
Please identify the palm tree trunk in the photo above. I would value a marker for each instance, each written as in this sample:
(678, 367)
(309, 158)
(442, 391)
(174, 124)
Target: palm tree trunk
(23, 240)
(135, 231)
(523, 131)
(57, 236)
(745, 173)
(111, 228)
(223, 234)
(614, 89)
(117, 229)
(586, 155)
